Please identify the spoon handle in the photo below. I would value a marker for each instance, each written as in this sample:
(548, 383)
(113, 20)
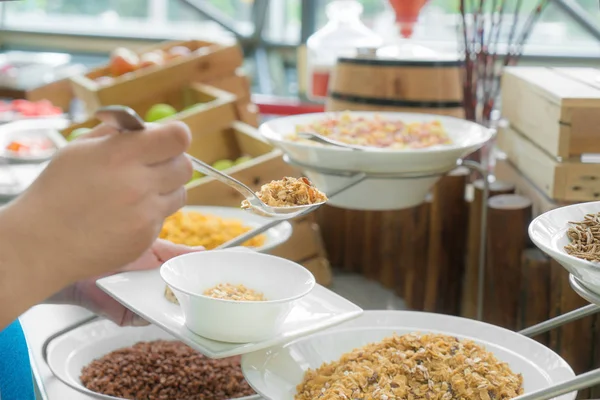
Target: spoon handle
(126, 119)
(206, 169)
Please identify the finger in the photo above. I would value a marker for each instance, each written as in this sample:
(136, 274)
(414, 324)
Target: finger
(172, 174)
(99, 131)
(132, 319)
(147, 260)
(173, 201)
(161, 143)
(165, 250)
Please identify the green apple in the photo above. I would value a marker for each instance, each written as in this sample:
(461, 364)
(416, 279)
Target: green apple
(75, 133)
(242, 160)
(160, 111)
(197, 175)
(222, 164)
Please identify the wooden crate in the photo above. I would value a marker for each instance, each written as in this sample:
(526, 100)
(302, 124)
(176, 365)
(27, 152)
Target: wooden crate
(568, 181)
(212, 110)
(556, 108)
(506, 171)
(239, 85)
(305, 246)
(208, 61)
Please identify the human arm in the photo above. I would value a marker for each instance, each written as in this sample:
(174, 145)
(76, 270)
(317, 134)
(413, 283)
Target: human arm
(86, 294)
(97, 206)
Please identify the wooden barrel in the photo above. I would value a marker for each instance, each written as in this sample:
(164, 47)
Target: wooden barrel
(388, 84)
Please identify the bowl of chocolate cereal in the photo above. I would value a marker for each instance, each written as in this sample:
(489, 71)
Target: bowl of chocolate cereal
(571, 235)
(104, 361)
(236, 296)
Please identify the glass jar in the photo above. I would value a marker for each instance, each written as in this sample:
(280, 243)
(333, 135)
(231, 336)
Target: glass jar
(340, 37)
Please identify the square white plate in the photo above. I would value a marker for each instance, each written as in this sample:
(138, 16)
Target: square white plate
(143, 293)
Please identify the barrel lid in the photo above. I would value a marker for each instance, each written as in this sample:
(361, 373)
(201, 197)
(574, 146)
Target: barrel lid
(407, 54)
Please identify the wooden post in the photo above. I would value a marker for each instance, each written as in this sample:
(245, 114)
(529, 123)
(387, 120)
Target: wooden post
(447, 242)
(333, 225)
(535, 291)
(508, 218)
(471, 276)
(414, 258)
(573, 341)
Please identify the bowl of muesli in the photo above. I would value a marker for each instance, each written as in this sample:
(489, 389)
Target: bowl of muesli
(236, 296)
(406, 355)
(404, 154)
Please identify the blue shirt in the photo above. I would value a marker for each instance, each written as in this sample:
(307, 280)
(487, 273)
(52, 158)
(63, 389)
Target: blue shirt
(16, 381)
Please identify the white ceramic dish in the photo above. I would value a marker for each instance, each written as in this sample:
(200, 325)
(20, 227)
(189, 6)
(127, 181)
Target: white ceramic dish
(389, 194)
(282, 282)
(43, 127)
(549, 233)
(143, 292)
(275, 372)
(71, 352)
(274, 237)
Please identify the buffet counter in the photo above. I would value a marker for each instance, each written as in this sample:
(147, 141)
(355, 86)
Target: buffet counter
(39, 323)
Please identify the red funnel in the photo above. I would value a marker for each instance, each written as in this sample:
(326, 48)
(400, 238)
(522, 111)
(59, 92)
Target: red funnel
(407, 14)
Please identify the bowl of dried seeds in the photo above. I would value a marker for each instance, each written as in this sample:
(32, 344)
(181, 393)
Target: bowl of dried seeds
(571, 235)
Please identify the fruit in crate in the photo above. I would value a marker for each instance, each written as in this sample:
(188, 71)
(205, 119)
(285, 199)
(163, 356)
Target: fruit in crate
(160, 111)
(123, 61)
(152, 59)
(223, 164)
(75, 133)
(196, 175)
(20, 108)
(178, 51)
(242, 160)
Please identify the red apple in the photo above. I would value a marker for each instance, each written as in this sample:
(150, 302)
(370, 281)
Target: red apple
(122, 61)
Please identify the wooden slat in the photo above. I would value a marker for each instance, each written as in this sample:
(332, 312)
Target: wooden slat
(471, 275)
(447, 244)
(534, 305)
(553, 108)
(567, 181)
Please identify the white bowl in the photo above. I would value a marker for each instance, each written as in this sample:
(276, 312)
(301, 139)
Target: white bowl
(549, 233)
(378, 194)
(274, 373)
(282, 282)
(70, 353)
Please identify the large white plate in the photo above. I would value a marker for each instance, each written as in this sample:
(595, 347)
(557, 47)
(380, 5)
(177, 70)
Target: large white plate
(466, 137)
(71, 352)
(274, 236)
(429, 163)
(142, 292)
(549, 233)
(42, 127)
(275, 372)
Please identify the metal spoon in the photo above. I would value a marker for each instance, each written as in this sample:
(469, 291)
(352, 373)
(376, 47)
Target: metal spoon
(125, 119)
(325, 140)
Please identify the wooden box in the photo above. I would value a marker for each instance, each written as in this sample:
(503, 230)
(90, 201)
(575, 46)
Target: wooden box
(305, 246)
(210, 109)
(567, 181)
(556, 108)
(207, 61)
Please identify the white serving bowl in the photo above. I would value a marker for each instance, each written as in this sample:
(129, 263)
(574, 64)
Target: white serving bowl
(549, 233)
(378, 194)
(274, 373)
(282, 282)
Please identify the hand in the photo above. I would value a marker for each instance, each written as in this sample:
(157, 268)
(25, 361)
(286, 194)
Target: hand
(86, 294)
(101, 201)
